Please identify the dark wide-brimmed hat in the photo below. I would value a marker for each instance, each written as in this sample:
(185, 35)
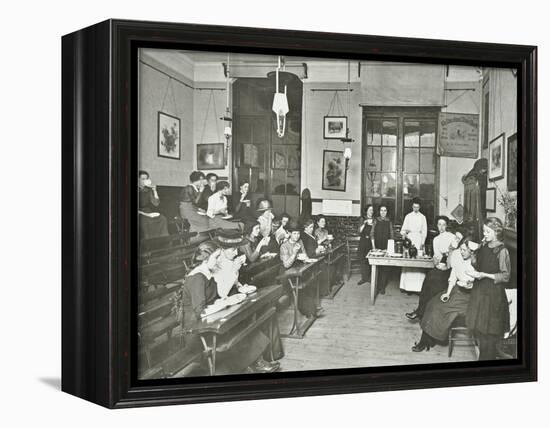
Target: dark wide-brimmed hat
(228, 238)
(293, 226)
(264, 205)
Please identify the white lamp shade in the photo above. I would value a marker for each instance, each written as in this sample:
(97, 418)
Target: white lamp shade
(347, 153)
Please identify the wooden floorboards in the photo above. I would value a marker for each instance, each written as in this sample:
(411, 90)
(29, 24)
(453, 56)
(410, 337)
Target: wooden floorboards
(354, 333)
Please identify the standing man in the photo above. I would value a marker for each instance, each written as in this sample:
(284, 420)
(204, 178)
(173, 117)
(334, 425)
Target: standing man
(415, 228)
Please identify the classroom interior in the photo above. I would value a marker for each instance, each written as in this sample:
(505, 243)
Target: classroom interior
(391, 151)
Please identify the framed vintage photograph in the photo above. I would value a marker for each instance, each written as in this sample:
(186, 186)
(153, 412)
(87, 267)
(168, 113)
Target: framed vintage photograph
(496, 158)
(512, 164)
(335, 127)
(334, 171)
(202, 280)
(491, 200)
(169, 136)
(210, 156)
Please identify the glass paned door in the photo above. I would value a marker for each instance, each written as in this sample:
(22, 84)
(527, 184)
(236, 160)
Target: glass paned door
(400, 161)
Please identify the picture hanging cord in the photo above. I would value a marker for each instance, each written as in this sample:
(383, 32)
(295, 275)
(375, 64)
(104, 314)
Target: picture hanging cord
(335, 102)
(179, 81)
(211, 99)
(169, 86)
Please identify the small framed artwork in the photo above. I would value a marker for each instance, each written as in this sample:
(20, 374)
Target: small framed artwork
(496, 158)
(169, 136)
(334, 171)
(210, 156)
(335, 127)
(491, 200)
(512, 165)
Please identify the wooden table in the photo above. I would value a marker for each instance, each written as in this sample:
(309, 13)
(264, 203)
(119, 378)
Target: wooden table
(258, 307)
(333, 259)
(301, 276)
(375, 261)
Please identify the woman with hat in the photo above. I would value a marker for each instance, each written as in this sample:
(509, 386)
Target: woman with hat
(200, 290)
(291, 252)
(435, 281)
(488, 315)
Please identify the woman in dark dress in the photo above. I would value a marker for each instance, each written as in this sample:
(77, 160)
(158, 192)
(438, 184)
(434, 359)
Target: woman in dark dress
(488, 315)
(152, 224)
(382, 230)
(199, 291)
(365, 243)
(446, 306)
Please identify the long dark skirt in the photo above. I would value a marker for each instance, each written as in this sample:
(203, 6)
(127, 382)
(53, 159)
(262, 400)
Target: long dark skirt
(488, 312)
(439, 316)
(435, 282)
(152, 227)
(365, 245)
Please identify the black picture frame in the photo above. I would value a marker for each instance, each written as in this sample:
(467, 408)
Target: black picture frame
(218, 156)
(491, 200)
(338, 134)
(512, 163)
(336, 168)
(164, 150)
(99, 173)
(497, 145)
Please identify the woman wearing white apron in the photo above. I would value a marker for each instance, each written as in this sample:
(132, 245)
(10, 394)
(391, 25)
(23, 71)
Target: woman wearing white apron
(415, 228)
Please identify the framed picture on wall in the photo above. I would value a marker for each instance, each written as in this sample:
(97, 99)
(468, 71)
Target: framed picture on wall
(491, 200)
(512, 163)
(334, 171)
(496, 158)
(211, 156)
(169, 136)
(335, 127)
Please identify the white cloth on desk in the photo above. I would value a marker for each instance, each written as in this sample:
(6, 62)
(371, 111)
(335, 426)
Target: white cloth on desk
(417, 229)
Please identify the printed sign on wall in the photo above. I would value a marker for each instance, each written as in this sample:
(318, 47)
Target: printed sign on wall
(458, 135)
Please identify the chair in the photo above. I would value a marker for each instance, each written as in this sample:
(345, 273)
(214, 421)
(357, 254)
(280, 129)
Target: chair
(353, 261)
(460, 333)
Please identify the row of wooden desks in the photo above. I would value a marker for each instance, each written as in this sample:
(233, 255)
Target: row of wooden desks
(307, 275)
(387, 260)
(215, 331)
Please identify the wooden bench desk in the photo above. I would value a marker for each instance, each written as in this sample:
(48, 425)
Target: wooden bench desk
(258, 307)
(334, 259)
(299, 277)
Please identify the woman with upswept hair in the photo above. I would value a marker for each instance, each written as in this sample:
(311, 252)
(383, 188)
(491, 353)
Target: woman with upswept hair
(488, 315)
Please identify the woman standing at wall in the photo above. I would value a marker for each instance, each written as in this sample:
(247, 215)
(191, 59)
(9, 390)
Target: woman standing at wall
(488, 315)
(381, 232)
(365, 243)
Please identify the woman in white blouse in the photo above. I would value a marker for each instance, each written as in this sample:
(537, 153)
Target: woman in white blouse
(436, 279)
(217, 208)
(415, 228)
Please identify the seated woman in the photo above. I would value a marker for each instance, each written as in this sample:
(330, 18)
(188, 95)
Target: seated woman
(281, 233)
(152, 224)
(293, 252)
(189, 203)
(313, 248)
(253, 246)
(321, 233)
(436, 279)
(243, 211)
(217, 208)
(200, 290)
(442, 309)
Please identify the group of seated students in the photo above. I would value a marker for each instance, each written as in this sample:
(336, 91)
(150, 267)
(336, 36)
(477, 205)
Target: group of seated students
(468, 280)
(215, 273)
